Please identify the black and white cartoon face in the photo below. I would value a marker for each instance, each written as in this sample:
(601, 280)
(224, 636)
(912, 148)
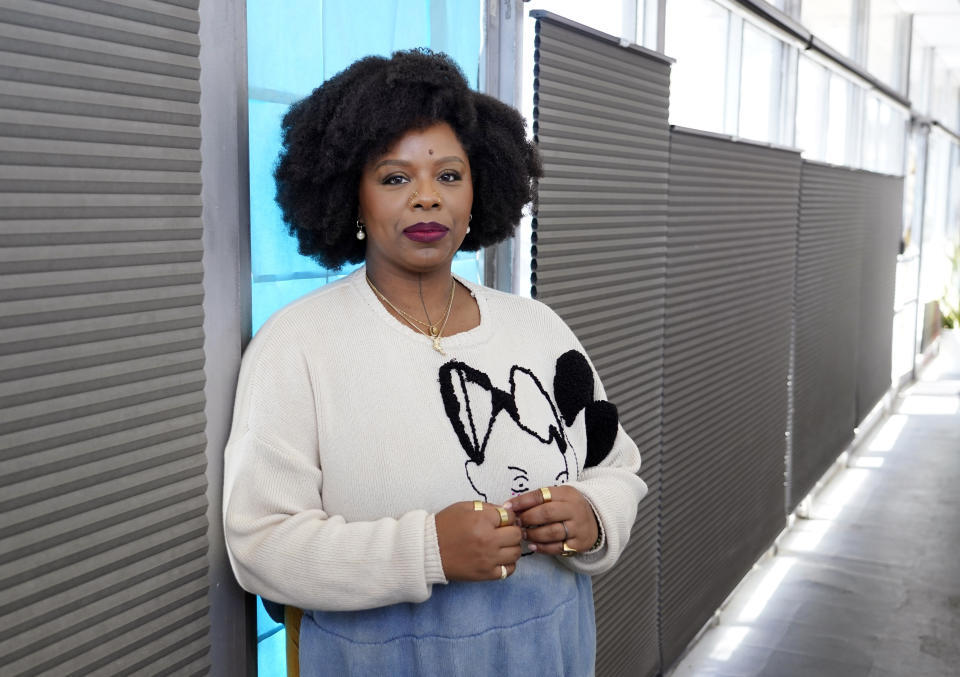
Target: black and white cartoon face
(515, 439)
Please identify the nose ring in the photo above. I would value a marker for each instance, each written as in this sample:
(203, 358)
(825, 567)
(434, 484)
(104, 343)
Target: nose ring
(416, 194)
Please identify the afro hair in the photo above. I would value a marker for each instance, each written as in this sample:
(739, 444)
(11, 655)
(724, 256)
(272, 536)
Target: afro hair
(355, 116)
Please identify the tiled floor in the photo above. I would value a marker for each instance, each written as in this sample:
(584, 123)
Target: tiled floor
(869, 585)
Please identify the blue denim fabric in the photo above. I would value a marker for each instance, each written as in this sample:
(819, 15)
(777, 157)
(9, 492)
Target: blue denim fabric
(540, 621)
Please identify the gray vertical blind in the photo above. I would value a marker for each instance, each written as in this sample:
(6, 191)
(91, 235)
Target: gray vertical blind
(598, 257)
(883, 199)
(103, 511)
(730, 267)
(829, 259)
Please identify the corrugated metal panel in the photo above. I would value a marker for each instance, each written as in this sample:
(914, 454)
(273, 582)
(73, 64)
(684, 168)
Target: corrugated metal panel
(599, 250)
(829, 256)
(102, 454)
(881, 235)
(730, 266)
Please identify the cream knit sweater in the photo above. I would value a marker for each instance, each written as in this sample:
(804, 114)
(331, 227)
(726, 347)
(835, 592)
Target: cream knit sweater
(350, 432)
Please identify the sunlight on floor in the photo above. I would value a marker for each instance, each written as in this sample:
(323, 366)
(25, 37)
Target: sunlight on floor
(728, 641)
(867, 462)
(837, 494)
(888, 434)
(930, 405)
(761, 595)
(806, 537)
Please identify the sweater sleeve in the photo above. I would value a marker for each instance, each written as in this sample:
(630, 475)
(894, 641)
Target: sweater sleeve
(281, 542)
(613, 490)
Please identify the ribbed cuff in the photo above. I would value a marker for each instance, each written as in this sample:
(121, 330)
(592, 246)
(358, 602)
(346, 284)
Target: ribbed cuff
(432, 564)
(601, 537)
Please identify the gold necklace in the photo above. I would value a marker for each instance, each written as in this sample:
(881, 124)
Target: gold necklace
(434, 330)
(435, 333)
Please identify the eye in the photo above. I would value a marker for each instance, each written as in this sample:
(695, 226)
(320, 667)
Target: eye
(394, 180)
(520, 485)
(449, 176)
(562, 477)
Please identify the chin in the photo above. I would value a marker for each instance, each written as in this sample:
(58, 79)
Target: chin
(430, 261)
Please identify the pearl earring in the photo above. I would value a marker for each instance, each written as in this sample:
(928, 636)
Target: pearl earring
(360, 234)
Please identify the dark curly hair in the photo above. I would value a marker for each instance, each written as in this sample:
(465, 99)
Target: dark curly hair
(355, 116)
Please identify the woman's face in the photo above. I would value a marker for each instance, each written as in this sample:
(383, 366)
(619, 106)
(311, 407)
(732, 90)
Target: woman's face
(415, 201)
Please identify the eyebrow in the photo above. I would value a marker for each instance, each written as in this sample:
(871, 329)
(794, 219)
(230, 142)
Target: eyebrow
(404, 163)
(513, 467)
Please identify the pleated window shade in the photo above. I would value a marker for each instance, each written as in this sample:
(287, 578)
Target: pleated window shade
(102, 453)
(883, 206)
(598, 258)
(730, 268)
(829, 261)
(847, 246)
(749, 291)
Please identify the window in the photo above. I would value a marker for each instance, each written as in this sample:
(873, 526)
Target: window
(696, 36)
(886, 46)
(891, 138)
(872, 138)
(812, 110)
(831, 21)
(841, 91)
(760, 85)
(945, 94)
(920, 55)
(605, 16)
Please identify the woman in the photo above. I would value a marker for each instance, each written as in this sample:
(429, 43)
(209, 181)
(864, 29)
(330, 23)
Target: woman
(426, 466)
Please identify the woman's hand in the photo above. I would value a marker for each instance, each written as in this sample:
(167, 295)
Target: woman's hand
(566, 518)
(473, 545)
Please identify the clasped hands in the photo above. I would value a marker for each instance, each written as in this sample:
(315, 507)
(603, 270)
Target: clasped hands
(475, 547)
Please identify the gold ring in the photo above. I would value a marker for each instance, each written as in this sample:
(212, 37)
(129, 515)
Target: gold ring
(567, 550)
(545, 492)
(504, 516)
(503, 572)
(478, 506)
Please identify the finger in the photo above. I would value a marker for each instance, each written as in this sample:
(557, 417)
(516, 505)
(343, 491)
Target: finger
(529, 499)
(555, 548)
(524, 501)
(503, 571)
(507, 537)
(502, 516)
(545, 514)
(548, 533)
(505, 517)
(509, 555)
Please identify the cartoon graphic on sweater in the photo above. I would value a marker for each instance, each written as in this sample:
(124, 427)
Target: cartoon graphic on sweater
(478, 412)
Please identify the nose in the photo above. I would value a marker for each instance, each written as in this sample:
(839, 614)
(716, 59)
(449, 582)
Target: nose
(425, 200)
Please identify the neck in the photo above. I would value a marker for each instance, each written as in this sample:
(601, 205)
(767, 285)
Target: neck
(411, 290)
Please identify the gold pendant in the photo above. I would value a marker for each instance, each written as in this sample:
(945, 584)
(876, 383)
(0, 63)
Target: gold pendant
(436, 345)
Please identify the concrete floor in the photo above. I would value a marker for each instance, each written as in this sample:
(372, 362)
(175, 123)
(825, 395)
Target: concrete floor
(869, 584)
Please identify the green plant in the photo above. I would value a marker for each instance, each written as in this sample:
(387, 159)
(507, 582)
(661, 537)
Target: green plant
(950, 301)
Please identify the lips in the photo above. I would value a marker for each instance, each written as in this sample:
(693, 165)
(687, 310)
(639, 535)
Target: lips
(426, 232)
